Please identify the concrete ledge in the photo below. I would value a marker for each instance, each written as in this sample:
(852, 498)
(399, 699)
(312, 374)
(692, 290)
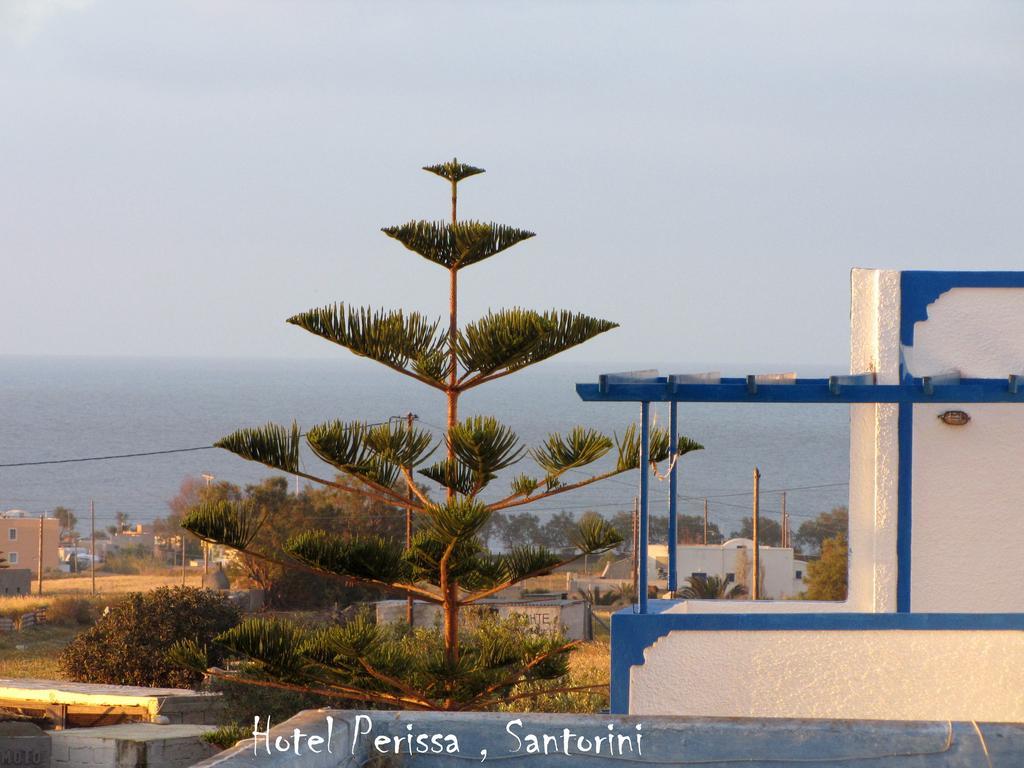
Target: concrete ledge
(131, 745)
(756, 743)
(178, 705)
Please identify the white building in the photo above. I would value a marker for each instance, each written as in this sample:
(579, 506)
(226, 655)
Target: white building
(933, 624)
(782, 576)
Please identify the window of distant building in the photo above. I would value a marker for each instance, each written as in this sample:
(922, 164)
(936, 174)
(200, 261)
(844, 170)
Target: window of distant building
(731, 577)
(698, 575)
(799, 574)
(12, 558)
(12, 534)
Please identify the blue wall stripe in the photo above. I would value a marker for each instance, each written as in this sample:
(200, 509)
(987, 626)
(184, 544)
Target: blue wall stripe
(904, 506)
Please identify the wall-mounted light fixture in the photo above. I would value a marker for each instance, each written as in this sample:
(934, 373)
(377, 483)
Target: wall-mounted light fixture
(954, 418)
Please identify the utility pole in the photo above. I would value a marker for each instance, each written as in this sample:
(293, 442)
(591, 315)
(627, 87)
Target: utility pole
(92, 545)
(756, 590)
(785, 522)
(206, 547)
(42, 517)
(705, 522)
(183, 558)
(409, 602)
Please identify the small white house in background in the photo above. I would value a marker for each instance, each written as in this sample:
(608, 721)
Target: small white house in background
(782, 576)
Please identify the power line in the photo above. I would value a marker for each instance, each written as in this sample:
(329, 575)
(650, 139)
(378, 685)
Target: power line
(107, 458)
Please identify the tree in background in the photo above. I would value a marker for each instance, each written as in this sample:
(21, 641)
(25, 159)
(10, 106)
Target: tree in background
(446, 563)
(769, 531)
(67, 521)
(329, 509)
(711, 588)
(826, 577)
(827, 525)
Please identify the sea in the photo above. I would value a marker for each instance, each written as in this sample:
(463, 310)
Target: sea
(56, 409)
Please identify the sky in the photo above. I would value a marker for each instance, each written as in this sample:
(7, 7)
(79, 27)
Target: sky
(180, 177)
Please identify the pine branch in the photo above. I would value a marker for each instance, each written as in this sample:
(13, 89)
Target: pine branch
(453, 170)
(407, 343)
(335, 691)
(486, 446)
(511, 339)
(559, 454)
(454, 246)
(520, 675)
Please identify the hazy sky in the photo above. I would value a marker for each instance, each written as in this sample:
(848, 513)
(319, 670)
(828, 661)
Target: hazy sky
(179, 177)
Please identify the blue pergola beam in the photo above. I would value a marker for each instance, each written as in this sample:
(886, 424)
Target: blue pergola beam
(645, 455)
(735, 390)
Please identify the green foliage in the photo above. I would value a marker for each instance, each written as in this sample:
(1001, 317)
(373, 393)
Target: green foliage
(582, 446)
(347, 447)
(372, 558)
(497, 656)
(769, 531)
(826, 577)
(231, 523)
(70, 611)
(660, 444)
(511, 339)
(453, 170)
(827, 525)
(485, 446)
(596, 535)
(459, 245)
(451, 473)
(128, 645)
(227, 736)
(272, 444)
(399, 340)
(711, 588)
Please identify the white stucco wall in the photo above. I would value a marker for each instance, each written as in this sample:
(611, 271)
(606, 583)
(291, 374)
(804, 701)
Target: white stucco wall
(898, 675)
(968, 490)
(874, 446)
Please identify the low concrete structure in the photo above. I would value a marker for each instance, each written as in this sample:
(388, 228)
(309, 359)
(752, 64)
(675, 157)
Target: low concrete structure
(136, 745)
(67, 703)
(572, 616)
(23, 744)
(15, 581)
(352, 740)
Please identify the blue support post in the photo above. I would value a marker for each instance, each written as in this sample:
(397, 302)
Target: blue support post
(645, 457)
(672, 484)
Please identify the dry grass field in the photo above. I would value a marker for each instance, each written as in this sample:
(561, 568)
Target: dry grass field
(33, 652)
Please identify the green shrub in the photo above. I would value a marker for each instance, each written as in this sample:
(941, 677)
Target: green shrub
(226, 736)
(128, 645)
(72, 611)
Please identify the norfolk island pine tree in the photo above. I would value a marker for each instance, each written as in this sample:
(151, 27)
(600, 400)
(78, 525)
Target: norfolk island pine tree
(446, 562)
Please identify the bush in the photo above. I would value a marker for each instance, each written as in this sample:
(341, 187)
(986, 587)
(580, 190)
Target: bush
(226, 736)
(128, 645)
(72, 611)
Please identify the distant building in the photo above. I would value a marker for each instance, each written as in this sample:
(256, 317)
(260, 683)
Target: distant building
(19, 540)
(782, 575)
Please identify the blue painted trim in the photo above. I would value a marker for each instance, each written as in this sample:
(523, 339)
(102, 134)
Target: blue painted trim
(632, 634)
(904, 505)
(918, 290)
(734, 390)
(645, 453)
(673, 482)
